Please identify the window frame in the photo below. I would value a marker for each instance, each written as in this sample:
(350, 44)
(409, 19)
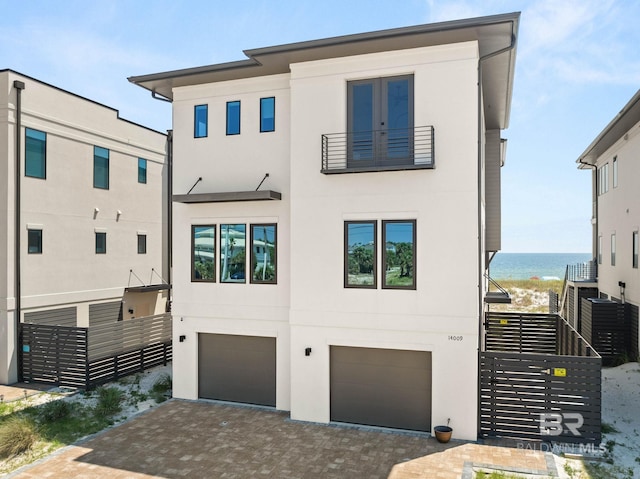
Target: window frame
(262, 117)
(231, 280)
(103, 235)
(96, 150)
(413, 286)
(27, 156)
(252, 255)
(239, 120)
(143, 237)
(346, 283)
(199, 119)
(142, 168)
(39, 240)
(600, 249)
(614, 172)
(635, 249)
(613, 249)
(193, 254)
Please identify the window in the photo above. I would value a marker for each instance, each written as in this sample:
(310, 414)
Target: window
(267, 114)
(203, 253)
(635, 249)
(599, 249)
(232, 253)
(34, 241)
(399, 254)
(142, 170)
(263, 253)
(142, 244)
(380, 121)
(200, 121)
(35, 153)
(100, 168)
(101, 242)
(603, 179)
(360, 258)
(613, 249)
(233, 117)
(614, 173)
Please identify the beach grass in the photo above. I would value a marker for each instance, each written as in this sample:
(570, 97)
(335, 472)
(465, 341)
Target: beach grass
(527, 295)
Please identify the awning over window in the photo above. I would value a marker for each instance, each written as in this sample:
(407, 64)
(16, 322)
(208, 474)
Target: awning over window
(262, 195)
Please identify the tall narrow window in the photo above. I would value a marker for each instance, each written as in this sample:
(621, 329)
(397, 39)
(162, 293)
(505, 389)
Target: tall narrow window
(614, 173)
(603, 179)
(613, 249)
(232, 253)
(142, 170)
(599, 249)
(142, 244)
(399, 254)
(267, 114)
(233, 117)
(203, 253)
(35, 153)
(263, 253)
(635, 249)
(200, 121)
(100, 168)
(360, 258)
(34, 241)
(101, 242)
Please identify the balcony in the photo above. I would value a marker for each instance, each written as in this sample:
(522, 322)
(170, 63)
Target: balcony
(378, 150)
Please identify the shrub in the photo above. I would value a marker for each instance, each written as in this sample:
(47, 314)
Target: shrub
(55, 410)
(109, 402)
(162, 384)
(17, 435)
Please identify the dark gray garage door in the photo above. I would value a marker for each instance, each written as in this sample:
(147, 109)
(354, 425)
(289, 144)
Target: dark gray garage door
(381, 387)
(237, 368)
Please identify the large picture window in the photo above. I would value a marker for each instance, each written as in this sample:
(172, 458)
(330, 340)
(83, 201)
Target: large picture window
(203, 253)
(263, 253)
(232, 253)
(100, 168)
(35, 154)
(360, 254)
(399, 254)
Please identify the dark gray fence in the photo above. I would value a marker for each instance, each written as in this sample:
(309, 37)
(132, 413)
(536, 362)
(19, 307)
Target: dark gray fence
(539, 380)
(86, 357)
(604, 326)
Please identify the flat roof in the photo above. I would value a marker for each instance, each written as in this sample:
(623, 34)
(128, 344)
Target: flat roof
(495, 35)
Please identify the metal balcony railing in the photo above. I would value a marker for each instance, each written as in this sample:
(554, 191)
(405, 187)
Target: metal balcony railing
(377, 150)
(587, 271)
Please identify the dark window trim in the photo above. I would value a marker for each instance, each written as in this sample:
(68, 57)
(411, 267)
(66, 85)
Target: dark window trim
(239, 118)
(346, 254)
(244, 280)
(142, 250)
(195, 121)
(97, 234)
(108, 158)
(193, 253)
(274, 114)
(29, 231)
(275, 253)
(44, 176)
(384, 254)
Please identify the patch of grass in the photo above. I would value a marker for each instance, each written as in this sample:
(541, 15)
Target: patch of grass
(607, 428)
(606, 471)
(18, 434)
(496, 475)
(161, 387)
(54, 410)
(109, 402)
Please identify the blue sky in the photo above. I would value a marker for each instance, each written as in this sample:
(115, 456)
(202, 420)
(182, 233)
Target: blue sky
(578, 64)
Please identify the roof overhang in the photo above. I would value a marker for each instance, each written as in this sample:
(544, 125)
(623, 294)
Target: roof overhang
(616, 129)
(496, 33)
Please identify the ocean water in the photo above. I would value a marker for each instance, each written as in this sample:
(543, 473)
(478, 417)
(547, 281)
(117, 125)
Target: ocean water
(529, 265)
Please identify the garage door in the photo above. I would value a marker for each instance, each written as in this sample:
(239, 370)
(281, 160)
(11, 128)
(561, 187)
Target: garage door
(237, 368)
(381, 387)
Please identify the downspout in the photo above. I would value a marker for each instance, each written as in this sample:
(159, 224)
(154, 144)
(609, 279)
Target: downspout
(511, 46)
(19, 86)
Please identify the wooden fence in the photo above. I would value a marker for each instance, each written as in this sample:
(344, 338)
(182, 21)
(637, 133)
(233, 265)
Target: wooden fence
(539, 380)
(87, 357)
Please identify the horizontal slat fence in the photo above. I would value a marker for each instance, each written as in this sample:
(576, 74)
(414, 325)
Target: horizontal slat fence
(536, 368)
(604, 326)
(87, 357)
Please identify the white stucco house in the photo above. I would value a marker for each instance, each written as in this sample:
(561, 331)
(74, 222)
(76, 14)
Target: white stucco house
(336, 204)
(83, 213)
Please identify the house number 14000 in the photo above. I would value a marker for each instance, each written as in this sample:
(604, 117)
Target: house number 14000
(455, 338)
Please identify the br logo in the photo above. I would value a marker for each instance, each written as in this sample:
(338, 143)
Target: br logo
(554, 424)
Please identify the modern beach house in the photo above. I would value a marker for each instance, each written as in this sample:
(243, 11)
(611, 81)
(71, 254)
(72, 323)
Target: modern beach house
(83, 212)
(336, 204)
(612, 159)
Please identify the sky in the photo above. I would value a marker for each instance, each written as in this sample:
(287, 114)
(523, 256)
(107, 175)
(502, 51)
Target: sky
(578, 64)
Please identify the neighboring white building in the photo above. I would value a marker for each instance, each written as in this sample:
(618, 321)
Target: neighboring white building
(348, 284)
(92, 213)
(613, 159)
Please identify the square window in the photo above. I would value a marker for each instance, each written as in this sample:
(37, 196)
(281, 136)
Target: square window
(200, 121)
(100, 168)
(232, 253)
(360, 254)
(233, 117)
(34, 241)
(267, 114)
(263, 253)
(203, 253)
(142, 170)
(142, 244)
(101, 243)
(35, 153)
(399, 254)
